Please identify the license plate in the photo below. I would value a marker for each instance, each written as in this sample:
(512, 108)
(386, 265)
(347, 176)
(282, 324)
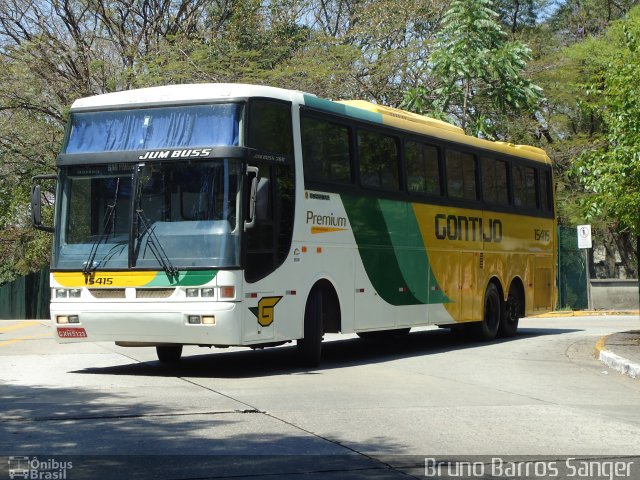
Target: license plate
(64, 332)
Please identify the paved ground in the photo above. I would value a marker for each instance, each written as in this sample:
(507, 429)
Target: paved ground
(372, 409)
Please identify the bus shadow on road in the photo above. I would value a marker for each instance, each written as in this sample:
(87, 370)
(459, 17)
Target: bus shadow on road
(337, 353)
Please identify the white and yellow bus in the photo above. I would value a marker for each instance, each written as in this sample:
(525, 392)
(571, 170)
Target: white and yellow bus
(239, 215)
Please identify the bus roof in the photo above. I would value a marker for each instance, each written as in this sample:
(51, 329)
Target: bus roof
(181, 94)
(356, 109)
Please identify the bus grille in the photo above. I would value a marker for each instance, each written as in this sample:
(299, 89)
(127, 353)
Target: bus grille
(107, 292)
(154, 292)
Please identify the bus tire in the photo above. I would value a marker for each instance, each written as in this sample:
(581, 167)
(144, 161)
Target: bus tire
(509, 322)
(310, 347)
(169, 353)
(487, 329)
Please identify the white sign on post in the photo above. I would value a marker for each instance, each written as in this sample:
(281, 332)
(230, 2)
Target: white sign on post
(584, 236)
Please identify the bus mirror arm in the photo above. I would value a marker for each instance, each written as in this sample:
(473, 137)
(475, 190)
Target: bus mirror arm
(36, 203)
(250, 223)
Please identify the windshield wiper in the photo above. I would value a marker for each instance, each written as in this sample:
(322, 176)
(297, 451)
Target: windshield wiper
(107, 225)
(154, 245)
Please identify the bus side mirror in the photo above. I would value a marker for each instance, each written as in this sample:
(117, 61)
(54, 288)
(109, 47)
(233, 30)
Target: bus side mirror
(36, 204)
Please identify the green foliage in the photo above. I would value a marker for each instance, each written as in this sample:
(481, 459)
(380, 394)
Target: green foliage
(611, 174)
(479, 73)
(451, 59)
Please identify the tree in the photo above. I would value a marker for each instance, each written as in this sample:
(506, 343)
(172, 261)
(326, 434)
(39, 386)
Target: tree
(517, 14)
(480, 74)
(611, 174)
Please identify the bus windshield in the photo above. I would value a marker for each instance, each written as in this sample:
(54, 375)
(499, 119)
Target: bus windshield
(117, 216)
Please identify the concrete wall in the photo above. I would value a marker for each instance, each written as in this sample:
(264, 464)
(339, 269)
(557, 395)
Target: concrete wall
(615, 294)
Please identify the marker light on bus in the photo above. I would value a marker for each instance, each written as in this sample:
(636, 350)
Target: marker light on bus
(64, 319)
(194, 319)
(227, 292)
(209, 320)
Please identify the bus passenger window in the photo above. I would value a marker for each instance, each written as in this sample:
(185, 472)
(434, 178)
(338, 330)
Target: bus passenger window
(494, 182)
(378, 155)
(545, 191)
(423, 169)
(270, 127)
(524, 187)
(461, 175)
(325, 151)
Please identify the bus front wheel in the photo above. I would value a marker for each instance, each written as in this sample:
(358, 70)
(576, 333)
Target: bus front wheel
(169, 353)
(493, 312)
(310, 347)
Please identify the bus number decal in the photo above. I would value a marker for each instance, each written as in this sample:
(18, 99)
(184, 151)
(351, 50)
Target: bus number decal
(541, 235)
(265, 311)
(93, 280)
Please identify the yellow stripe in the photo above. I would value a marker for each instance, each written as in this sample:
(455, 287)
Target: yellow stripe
(315, 230)
(20, 339)
(18, 326)
(104, 279)
(600, 345)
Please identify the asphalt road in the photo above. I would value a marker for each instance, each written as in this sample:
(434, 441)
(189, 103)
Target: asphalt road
(373, 410)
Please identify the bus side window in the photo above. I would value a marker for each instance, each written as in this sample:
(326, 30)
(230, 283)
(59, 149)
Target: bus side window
(461, 175)
(379, 160)
(545, 191)
(494, 181)
(524, 187)
(270, 127)
(423, 168)
(325, 151)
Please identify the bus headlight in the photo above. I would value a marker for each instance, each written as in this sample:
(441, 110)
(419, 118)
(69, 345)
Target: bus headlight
(65, 319)
(192, 292)
(66, 293)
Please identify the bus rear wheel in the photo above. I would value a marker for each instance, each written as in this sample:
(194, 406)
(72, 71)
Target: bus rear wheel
(493, 313)
(310, 347)
(169, 353)
(509, 322)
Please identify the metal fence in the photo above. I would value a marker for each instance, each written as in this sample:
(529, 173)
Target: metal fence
(572, 276)
(26, 297)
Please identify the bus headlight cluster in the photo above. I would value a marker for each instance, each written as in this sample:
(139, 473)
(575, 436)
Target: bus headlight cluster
(67, 293)
(226, 292)
(65, 319)
(201, 319)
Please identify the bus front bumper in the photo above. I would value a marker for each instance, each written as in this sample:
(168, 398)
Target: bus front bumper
(211, 323)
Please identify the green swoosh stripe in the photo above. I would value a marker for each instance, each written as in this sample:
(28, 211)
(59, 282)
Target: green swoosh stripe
(191, 278)
(392, 250)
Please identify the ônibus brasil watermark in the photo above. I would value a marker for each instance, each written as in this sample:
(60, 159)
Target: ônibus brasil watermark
(571, 468)
(33, 468)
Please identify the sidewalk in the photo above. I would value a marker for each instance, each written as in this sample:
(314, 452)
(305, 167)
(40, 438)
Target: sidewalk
(621, 351)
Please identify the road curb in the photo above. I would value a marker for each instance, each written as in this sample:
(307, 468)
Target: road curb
(616, 362)
(585, 313)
